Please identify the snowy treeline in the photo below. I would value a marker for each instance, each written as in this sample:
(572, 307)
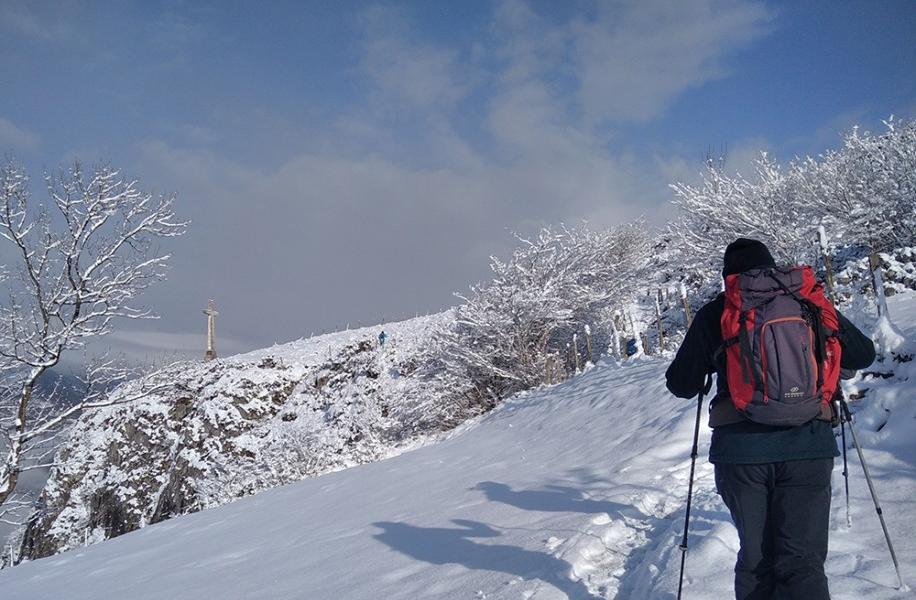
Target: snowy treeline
(862, 194)
(512, 332)
(568, 293)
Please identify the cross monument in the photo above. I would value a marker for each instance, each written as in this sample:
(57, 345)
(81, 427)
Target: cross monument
(211, 321)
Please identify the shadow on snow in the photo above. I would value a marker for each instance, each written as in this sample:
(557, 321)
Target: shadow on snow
(553, 498)
(440, 546)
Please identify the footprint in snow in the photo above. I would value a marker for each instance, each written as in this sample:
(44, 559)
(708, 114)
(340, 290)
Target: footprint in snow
(553, 542)
(602, 519)
(600, 557)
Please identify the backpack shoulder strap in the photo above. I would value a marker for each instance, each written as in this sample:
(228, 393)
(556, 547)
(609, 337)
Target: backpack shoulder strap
(747, 354)
(725, 345)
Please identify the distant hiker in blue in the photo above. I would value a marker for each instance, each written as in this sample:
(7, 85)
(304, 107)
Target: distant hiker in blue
(772, 468)
(382, 337)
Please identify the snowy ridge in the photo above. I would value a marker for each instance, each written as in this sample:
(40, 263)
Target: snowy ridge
(572, 491)
(225, 429)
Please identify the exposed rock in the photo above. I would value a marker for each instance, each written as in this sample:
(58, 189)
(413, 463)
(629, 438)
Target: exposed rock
(225, 429)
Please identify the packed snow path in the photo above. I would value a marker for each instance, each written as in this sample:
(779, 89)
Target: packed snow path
(575, 491)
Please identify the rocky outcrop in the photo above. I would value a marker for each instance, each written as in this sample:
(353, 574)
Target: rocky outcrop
(225, 429)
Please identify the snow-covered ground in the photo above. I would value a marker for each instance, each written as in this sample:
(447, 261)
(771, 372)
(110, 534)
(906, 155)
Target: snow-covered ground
(575, 491)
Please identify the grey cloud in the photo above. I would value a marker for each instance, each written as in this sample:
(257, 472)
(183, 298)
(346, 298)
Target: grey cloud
(325, 240)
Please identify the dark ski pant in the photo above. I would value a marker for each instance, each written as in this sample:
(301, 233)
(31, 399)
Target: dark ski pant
(782, 512)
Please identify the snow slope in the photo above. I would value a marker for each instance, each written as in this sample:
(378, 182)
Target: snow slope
(574, 491)
(219, 430)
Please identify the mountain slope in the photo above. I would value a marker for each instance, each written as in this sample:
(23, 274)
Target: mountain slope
(574, 491)
(216, 431)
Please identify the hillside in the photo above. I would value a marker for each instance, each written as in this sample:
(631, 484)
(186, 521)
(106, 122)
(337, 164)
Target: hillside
(572, 491)
(216, 431)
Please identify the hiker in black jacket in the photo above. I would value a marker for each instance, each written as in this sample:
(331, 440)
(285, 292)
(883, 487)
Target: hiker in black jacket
(775, 480)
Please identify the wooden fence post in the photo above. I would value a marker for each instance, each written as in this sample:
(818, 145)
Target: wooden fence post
(683, 291)
(575, 344)
(658, 322)
(874, 265)
(828, 266)
(615, 336)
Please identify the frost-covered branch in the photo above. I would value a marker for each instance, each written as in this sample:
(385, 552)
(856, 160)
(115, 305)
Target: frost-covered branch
(864, 193)
(508, 333)
(77, 264)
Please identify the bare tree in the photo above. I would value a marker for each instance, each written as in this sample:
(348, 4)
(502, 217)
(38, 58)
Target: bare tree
(72, 267)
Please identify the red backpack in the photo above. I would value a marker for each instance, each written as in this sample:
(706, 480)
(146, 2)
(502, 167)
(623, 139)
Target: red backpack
(781, 348)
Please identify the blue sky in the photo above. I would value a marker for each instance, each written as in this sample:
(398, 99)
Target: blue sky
(353, 162)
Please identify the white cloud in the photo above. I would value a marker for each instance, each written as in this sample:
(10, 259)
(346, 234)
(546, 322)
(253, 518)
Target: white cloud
(738, 157)
(313, 239)
(407, 73)
(549, 89)
(634, 59)
(13, 137)
(526, 45)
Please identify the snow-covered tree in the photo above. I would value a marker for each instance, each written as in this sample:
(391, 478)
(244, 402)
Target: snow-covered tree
(864, 193)
(73, 266)
(725, 207)
(510, 331)
(867, 189)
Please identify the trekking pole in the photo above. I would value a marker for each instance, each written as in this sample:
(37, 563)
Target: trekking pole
(874, 495)
(693, 462)
(842, 419)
